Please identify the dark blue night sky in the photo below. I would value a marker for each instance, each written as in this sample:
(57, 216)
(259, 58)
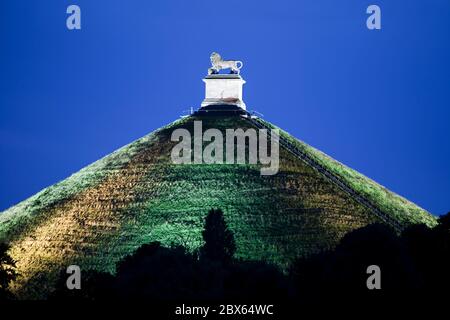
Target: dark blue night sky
(377, 101)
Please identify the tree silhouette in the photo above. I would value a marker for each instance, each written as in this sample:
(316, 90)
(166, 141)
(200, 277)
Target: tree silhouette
(7, 271)
(95, 286)
(219, 241)
(157, 273)
(430, 252)
(340, 274)
(444, 224)
(414, 266)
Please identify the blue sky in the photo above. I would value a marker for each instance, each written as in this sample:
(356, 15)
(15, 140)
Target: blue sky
(377, 101)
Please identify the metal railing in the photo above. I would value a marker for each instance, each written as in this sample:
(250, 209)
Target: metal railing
(336, 180)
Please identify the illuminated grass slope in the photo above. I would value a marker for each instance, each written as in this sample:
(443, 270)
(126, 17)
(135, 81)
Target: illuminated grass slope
(136, 195)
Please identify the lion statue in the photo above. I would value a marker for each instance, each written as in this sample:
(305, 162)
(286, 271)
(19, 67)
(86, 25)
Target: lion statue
(218, 63)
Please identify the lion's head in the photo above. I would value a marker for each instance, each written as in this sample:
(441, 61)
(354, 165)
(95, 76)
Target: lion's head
(215, 57)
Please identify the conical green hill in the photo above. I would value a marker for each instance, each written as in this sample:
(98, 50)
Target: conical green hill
(137, 195)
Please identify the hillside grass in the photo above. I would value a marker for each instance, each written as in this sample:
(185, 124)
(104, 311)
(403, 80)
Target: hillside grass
(137, 195)
(16, 219)
(399, 208)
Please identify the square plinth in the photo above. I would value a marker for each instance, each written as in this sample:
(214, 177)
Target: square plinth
(223, 89)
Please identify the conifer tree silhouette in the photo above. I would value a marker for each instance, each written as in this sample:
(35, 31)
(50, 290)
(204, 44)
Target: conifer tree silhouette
(219, 241)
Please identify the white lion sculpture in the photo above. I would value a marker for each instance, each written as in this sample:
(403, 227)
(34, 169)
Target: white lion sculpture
(218, 63)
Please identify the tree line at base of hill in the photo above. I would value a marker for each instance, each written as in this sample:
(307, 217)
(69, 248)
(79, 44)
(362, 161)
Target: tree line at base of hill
(414, 264)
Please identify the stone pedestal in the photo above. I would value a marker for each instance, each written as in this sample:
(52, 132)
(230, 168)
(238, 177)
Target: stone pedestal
(223, 89)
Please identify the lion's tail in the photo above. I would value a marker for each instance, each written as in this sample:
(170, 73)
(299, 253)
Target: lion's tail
(240, 66)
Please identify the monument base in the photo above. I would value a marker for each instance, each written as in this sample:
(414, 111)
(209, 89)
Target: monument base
(223, 90)
(220, 109)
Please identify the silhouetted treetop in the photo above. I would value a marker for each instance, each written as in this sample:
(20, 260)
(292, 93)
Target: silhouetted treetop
(219, 241)
(7, 271)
